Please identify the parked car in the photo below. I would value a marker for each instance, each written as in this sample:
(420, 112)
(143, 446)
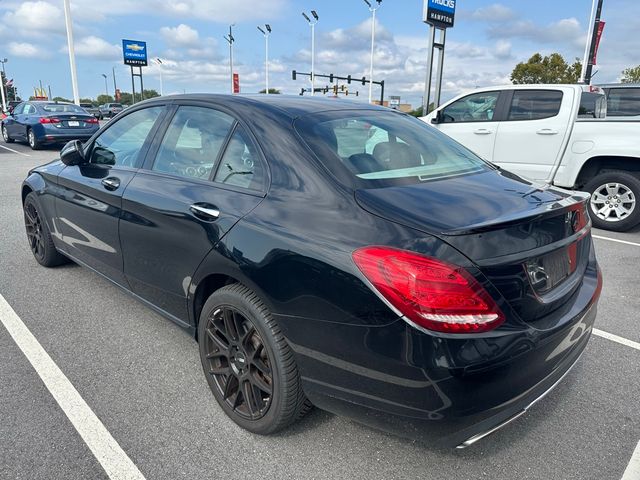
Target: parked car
(417, 288)
(557, 134)
(623, 100)
(44, 123)
(109, 110)
(91, 109)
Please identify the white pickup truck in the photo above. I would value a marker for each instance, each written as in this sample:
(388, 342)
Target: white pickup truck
(556, 134)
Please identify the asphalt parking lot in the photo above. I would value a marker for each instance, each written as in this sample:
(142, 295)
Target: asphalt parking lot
(140, 375)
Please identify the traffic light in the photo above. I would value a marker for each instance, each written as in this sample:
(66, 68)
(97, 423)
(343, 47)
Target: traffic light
(364, 80)
(293, 74)
(335, 89)
(348, 78)
(331, 78)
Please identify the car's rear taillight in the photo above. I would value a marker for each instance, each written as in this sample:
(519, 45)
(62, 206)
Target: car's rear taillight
(49, 120)
(429, 292)
(91, 120)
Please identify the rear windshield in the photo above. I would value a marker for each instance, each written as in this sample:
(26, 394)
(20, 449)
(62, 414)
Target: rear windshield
(62, 108)
(376, 149)
(592, 105)
(117, 105)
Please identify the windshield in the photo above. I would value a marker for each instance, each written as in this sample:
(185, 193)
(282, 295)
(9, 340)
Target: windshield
(62, 108)
(385, 148)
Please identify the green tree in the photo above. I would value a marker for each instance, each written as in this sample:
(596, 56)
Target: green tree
(62, 99)
(126, 98)
(10, 92)
(549, 69)
(418, 111)
(102, 99)
(274, 91)
(150, 94)
(631, 75)
(88, 100)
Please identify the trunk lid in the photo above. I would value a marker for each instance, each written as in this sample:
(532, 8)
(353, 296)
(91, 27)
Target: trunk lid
(531, 241)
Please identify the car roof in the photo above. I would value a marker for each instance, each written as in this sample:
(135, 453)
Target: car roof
(292, 105)
(619, 85)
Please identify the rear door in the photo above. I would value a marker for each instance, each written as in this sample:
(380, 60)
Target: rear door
(205, 174)
(533, 132)
(472, 121)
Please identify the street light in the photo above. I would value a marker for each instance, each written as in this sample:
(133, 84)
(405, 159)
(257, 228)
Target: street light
(72, 52)
(106, 86)
(159, 62)
(4, 74)
(230, 39)
(266, 55)
(312, 23)
(372, 9)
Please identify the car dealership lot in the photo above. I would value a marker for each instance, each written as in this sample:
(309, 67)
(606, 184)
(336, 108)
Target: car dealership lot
(141, 376)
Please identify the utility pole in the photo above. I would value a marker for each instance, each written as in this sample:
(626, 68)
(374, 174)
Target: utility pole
(106, 85)
(372, 9)
(4, 75)
(72, 52)
(115, 88)
(230, 39)
(159, 62)
(266, 55)
(312, 24)
(590, 50)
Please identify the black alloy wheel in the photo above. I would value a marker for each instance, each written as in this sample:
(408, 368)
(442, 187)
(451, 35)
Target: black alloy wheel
(239, 362)
(247, 362)
(38, 235)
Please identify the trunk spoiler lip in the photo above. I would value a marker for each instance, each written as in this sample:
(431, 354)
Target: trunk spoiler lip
(556, 207)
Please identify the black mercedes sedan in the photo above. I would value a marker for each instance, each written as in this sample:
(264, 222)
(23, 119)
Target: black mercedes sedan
(330, 253)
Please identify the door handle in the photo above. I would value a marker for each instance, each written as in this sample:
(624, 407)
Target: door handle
(205, 212)
(111, 183)
(547, 131)
(482, 131)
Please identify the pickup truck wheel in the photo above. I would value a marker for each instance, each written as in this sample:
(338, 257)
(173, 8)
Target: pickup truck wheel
(614, 200)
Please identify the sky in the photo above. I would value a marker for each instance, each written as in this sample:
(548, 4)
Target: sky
(488, 40)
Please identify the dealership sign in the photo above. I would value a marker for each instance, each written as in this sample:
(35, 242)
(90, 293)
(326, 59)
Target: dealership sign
(134, 52)
(439, 13)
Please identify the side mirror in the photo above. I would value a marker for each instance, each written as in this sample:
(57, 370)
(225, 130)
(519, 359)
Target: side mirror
(439, 118)
(72, 153)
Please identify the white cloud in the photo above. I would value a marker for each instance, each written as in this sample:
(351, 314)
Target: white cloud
(25, 49)
(35, 18)
(180, 36)
(96, 48)
(564, 32)
(492, 13)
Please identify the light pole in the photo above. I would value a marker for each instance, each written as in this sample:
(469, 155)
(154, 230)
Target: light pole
(312, 23)
(159, 62)
(72, 52)
(372, 9)
(106, 86)
(4, 76)
(230, 39)
(266, 56)
(115, 88)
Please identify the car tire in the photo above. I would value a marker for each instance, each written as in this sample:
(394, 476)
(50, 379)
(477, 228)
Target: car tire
(5, 135)
(615, 197)
(39, 236)
(243, 350)
(32, 140)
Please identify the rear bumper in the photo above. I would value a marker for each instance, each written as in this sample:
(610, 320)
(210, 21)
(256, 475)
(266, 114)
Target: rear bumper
(55, 137)
(443, 391)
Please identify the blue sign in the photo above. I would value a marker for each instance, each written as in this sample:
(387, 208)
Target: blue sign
(440, 13)
(134, 53)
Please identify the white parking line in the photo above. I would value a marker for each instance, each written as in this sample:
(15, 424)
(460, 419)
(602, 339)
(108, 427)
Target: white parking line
(633, 469)
(15, 151)
(616, 240)
(104, 447)
(617, 339)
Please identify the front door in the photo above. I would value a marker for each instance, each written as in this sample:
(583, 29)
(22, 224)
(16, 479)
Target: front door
(206, 175)
(89, 197)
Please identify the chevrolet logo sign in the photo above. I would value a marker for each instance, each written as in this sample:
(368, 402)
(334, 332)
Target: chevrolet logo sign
(134, 46)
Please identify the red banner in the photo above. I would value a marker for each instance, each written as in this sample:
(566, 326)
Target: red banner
(601, 25)
(236, 83)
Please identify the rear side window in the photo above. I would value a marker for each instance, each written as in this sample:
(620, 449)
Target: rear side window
(623, 102)
(240, 165)
(379, 149)
(534, 104)
(193, 141)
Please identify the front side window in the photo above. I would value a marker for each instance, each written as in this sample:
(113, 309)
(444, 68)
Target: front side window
(534, 104)
(478, 107)
(623, 102)
(122, 142)
(385, 148)
(193, 142)
(19, 109)
(240, 165)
